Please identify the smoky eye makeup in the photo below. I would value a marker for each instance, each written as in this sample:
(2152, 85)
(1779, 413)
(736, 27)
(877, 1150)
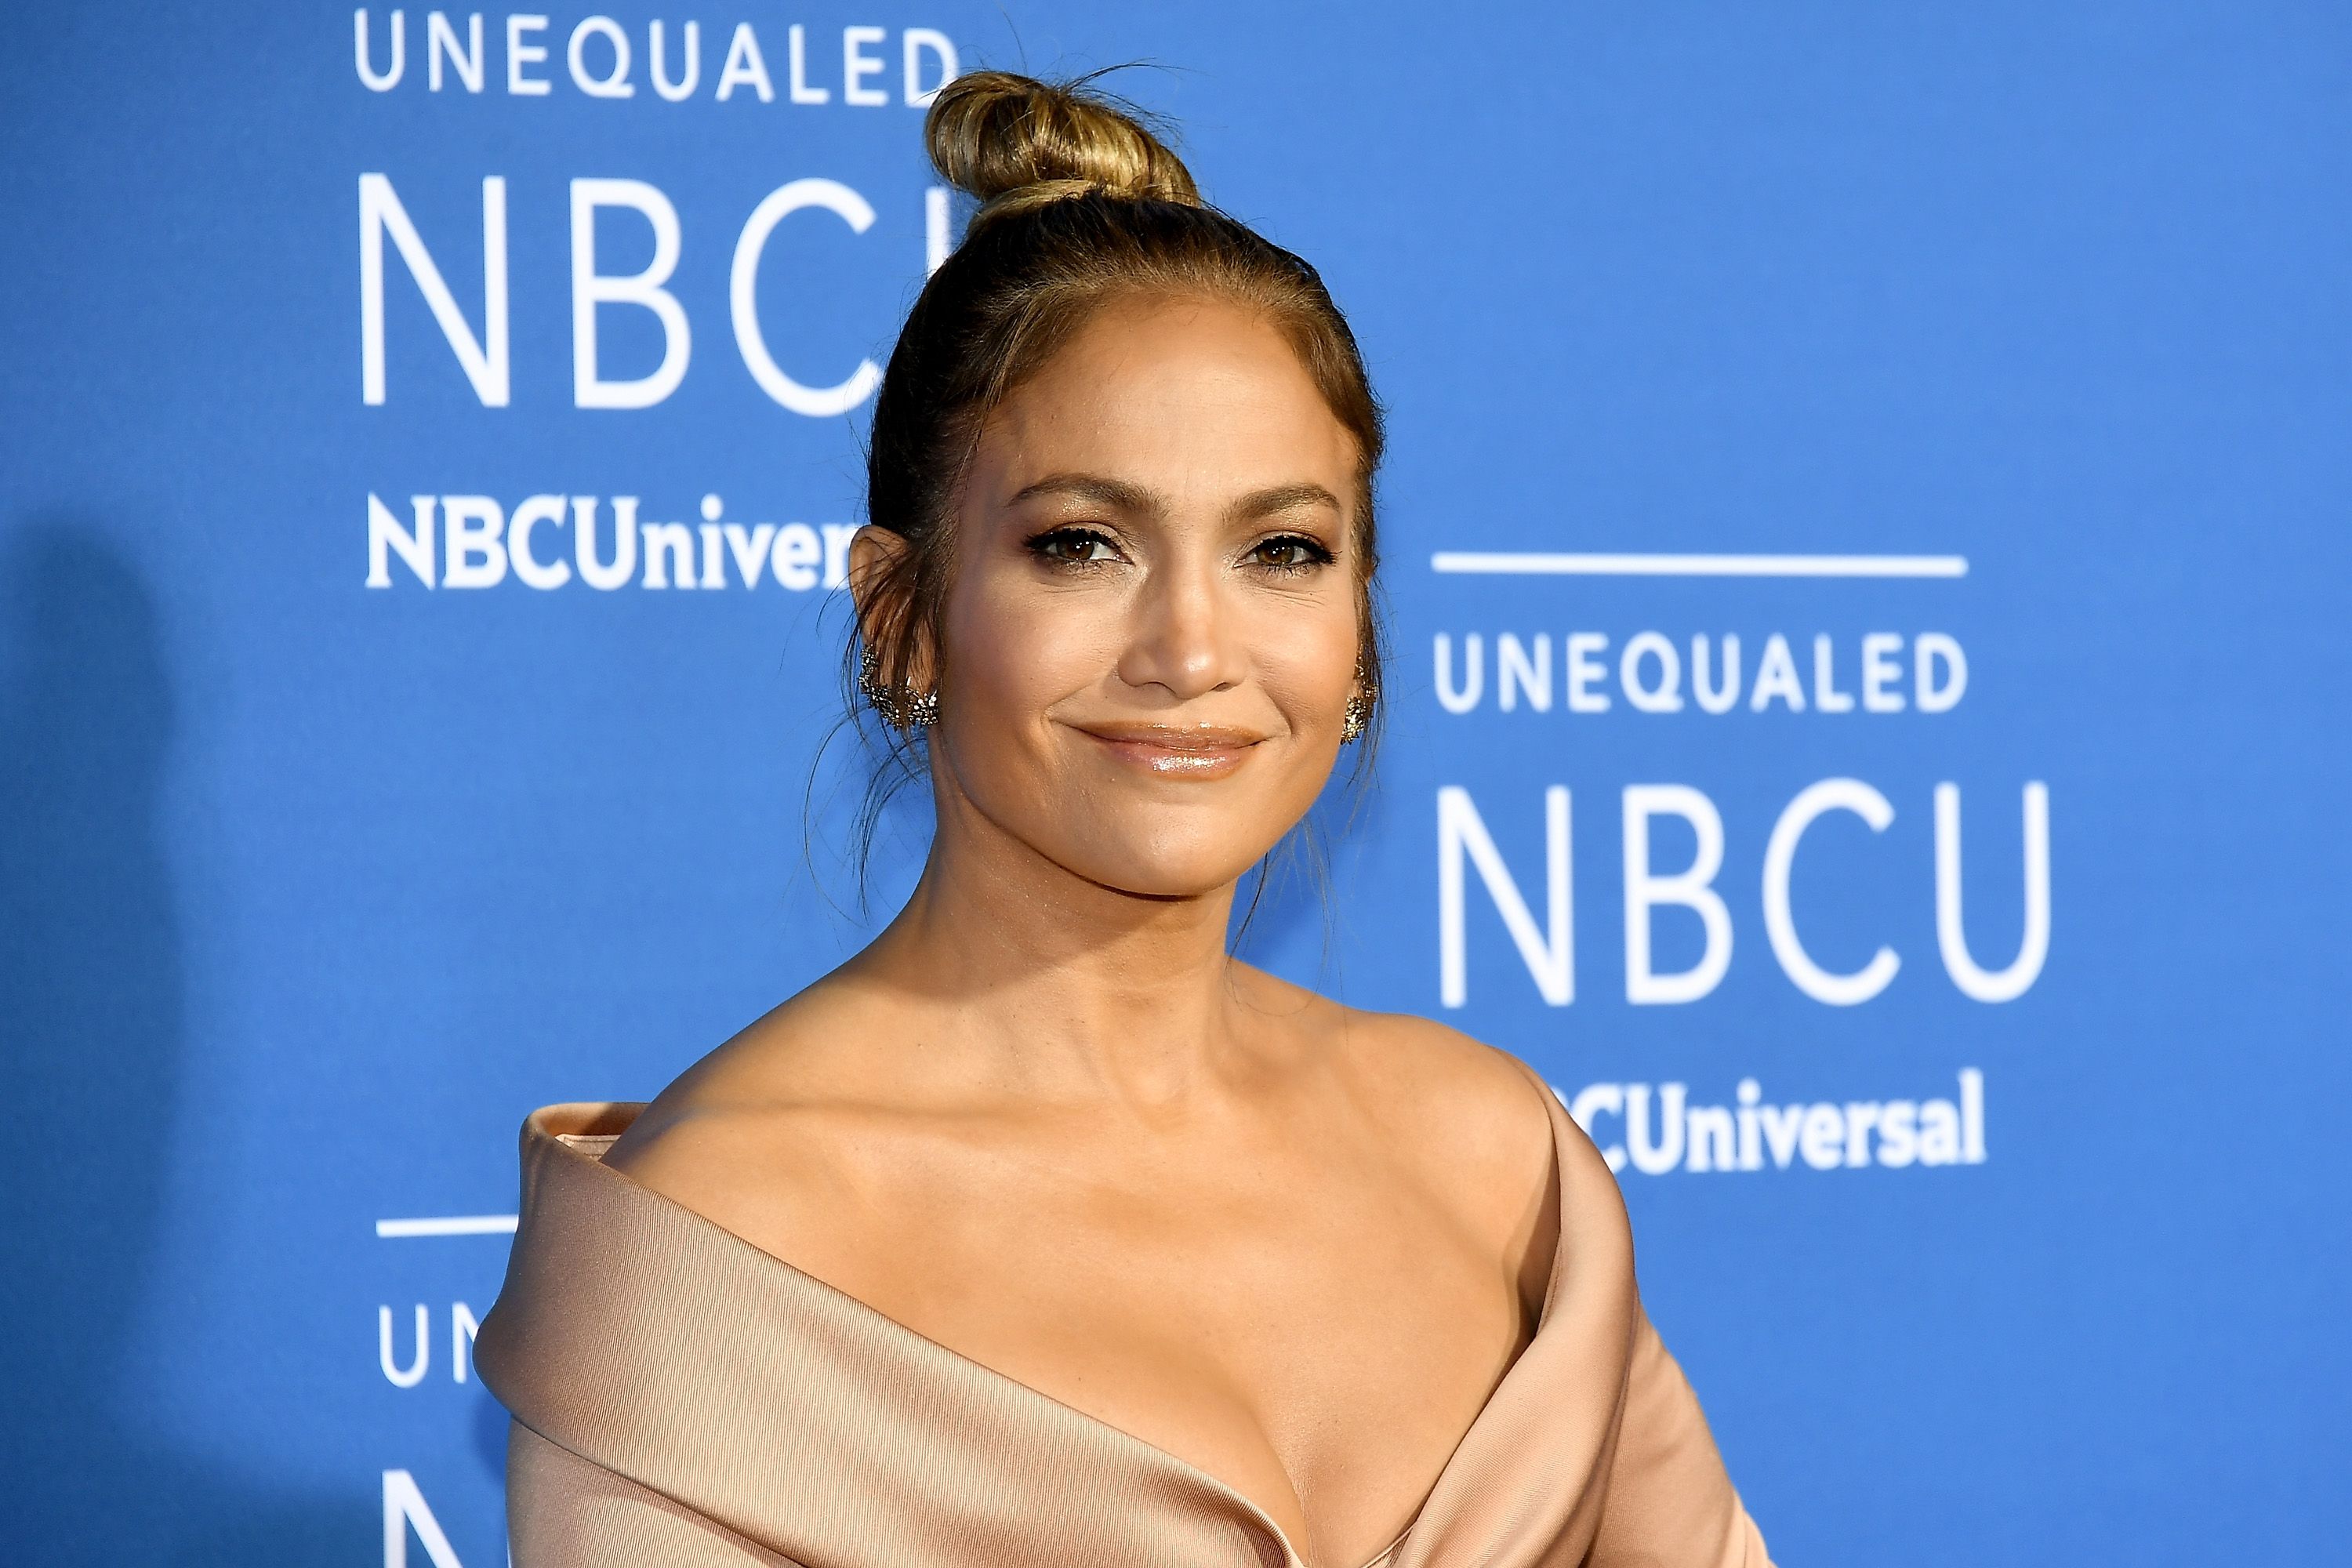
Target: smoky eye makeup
(1080, 547)
(1072, 547)
(1290, 553)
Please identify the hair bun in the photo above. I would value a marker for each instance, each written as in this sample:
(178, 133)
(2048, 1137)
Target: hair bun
(1015, 142)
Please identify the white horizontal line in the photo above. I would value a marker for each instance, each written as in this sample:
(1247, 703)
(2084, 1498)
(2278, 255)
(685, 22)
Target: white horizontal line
(1505, 564)
(450, 1225)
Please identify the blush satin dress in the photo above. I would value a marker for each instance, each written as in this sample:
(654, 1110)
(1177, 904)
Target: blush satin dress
(682, 1399)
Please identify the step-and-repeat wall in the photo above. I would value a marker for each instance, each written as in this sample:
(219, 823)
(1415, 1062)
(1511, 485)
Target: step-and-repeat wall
(1867, 563)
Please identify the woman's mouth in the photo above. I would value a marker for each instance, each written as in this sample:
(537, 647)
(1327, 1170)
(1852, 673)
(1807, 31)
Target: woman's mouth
(1175, 751)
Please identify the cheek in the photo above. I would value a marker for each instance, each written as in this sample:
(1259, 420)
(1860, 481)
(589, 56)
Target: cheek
(1306, 656)
(1015, 651)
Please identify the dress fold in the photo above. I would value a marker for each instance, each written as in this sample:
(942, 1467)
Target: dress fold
(681, 1397)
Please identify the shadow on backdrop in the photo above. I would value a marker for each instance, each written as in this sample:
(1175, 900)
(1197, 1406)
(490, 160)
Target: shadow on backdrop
(93, 1041)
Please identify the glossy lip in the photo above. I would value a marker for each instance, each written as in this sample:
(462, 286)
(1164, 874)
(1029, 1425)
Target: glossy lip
(1175, 751)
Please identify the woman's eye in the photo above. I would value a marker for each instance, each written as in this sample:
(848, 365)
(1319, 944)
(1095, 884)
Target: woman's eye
(1075, 547)
(1291, 553)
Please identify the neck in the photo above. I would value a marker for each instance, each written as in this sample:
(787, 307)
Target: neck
(1061, 984)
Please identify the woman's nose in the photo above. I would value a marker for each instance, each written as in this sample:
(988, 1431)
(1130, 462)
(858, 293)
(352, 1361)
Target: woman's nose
(1185, 639)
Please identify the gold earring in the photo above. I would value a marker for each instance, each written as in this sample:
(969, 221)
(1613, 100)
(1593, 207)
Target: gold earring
(1358, 716)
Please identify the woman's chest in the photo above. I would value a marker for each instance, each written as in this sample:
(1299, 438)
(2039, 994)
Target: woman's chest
(1318, 1345)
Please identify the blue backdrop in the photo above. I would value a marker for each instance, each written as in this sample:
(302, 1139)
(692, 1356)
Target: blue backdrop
(1982, 370)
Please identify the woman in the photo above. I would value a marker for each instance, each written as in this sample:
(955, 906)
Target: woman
(1043, 1230)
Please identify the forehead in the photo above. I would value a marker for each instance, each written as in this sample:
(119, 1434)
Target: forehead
(1188, 394)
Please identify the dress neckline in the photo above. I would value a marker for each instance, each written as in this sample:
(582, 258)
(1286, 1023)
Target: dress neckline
(614, 1119)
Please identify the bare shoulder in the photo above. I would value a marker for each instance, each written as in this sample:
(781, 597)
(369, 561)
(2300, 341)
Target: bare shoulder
(1471, 1119)
(757, 1129)
(1477, 1118)
(1472, 1104)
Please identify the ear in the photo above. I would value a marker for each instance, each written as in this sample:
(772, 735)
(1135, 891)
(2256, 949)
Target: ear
(874, 555)
(882, 583)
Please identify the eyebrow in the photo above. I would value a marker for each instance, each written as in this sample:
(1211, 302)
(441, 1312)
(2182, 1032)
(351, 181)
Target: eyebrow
(1115, 493)
(1282, 498)
(1132, 498)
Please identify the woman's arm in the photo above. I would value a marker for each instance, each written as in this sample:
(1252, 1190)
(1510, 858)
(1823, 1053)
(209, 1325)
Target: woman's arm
(1669, 1503)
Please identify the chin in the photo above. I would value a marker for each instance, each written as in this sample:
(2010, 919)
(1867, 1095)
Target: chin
(1163, 871)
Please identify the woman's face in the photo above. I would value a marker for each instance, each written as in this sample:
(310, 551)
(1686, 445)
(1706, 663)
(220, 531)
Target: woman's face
(1151, 634)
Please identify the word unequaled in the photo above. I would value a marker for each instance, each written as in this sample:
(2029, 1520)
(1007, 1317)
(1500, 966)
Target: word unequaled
(600, 58)
(1883, 673)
